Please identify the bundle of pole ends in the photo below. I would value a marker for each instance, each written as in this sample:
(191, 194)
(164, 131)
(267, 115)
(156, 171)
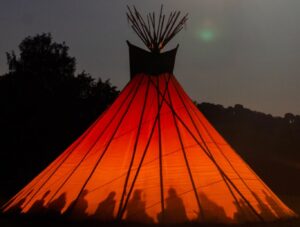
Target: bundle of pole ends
(154, 32)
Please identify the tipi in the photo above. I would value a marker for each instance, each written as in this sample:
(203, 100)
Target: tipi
(152, 156)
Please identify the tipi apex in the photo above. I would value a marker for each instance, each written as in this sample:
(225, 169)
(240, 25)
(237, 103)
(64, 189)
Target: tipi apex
(152, 156)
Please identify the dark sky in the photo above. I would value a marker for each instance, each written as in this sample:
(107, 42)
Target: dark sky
(233, 51)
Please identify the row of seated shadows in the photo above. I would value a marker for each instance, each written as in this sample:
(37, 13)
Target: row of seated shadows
(174, 211)
(268, 211)
(135, 209)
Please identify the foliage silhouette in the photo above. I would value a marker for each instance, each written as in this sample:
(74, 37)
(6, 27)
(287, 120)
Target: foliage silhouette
(263, 141)
(44, 107)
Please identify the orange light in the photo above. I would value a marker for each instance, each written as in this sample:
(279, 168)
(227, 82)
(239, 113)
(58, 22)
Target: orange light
(151, 157)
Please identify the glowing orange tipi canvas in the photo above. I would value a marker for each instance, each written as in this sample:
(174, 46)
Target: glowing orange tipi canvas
(152, 156)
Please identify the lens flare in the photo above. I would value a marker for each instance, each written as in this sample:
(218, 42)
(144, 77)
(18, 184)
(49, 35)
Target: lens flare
(207, 34)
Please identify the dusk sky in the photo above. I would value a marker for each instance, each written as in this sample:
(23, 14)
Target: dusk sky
(232, 51)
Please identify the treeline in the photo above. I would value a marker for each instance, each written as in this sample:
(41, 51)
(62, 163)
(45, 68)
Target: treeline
(244, 126)
(45, 105)
(269, 144)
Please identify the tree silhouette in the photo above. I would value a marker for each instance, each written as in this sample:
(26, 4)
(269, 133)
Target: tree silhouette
(40, 57)
(264, 141)
(44, 107)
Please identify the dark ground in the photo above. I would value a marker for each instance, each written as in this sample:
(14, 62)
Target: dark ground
(46, 222)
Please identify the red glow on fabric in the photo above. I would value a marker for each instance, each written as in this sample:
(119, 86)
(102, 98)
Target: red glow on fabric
(152, 157)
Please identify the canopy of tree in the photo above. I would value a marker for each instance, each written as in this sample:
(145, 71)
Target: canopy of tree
(44, 107)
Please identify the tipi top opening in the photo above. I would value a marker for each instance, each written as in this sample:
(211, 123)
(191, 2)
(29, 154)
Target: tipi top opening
(156, 32)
